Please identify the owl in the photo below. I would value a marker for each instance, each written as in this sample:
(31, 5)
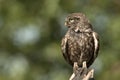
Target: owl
(81, 42)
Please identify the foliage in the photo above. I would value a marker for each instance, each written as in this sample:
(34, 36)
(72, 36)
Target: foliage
(31, 32)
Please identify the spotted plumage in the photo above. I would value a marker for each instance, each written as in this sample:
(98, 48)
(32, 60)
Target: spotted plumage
(80, 43)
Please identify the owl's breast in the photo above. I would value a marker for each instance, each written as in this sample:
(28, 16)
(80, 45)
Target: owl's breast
(80, 47)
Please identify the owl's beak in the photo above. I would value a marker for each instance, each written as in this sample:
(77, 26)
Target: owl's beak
(65, 23)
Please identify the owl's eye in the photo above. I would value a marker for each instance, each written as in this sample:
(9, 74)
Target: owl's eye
(77, 18)
(71, 20)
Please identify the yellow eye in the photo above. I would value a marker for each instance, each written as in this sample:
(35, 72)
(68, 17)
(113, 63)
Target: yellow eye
(77, 18)
(71, 20)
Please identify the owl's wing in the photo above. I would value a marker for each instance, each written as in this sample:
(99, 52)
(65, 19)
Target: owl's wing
(64, 47)
(96, 48)
(96, 44)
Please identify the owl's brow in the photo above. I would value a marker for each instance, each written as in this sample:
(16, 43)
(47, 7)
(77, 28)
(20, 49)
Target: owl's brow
(76, 17)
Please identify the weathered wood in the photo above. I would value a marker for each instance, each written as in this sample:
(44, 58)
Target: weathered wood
(82, 73)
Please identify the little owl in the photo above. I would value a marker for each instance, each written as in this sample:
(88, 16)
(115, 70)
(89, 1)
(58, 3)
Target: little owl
(81, 42)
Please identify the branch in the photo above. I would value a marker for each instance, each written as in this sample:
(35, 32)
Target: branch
(82, 73)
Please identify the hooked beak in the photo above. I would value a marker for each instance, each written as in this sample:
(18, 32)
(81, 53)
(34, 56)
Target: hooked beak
(66, 23)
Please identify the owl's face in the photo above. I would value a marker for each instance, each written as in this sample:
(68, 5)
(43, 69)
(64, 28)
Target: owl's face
(78, 22)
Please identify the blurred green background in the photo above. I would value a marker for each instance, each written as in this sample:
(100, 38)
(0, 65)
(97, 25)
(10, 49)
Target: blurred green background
(31, 32)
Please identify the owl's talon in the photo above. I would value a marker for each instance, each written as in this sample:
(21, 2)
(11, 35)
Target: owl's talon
(84, 64)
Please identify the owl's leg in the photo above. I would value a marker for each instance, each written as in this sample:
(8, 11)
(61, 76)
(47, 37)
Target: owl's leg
(84, 65)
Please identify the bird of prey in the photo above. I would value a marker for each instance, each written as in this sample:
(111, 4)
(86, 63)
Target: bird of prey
(81, 42)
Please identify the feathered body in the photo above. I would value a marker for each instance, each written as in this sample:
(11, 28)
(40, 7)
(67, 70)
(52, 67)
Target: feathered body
(80, 43)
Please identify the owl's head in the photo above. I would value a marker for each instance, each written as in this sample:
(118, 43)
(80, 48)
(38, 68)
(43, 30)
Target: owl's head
(78, 22)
